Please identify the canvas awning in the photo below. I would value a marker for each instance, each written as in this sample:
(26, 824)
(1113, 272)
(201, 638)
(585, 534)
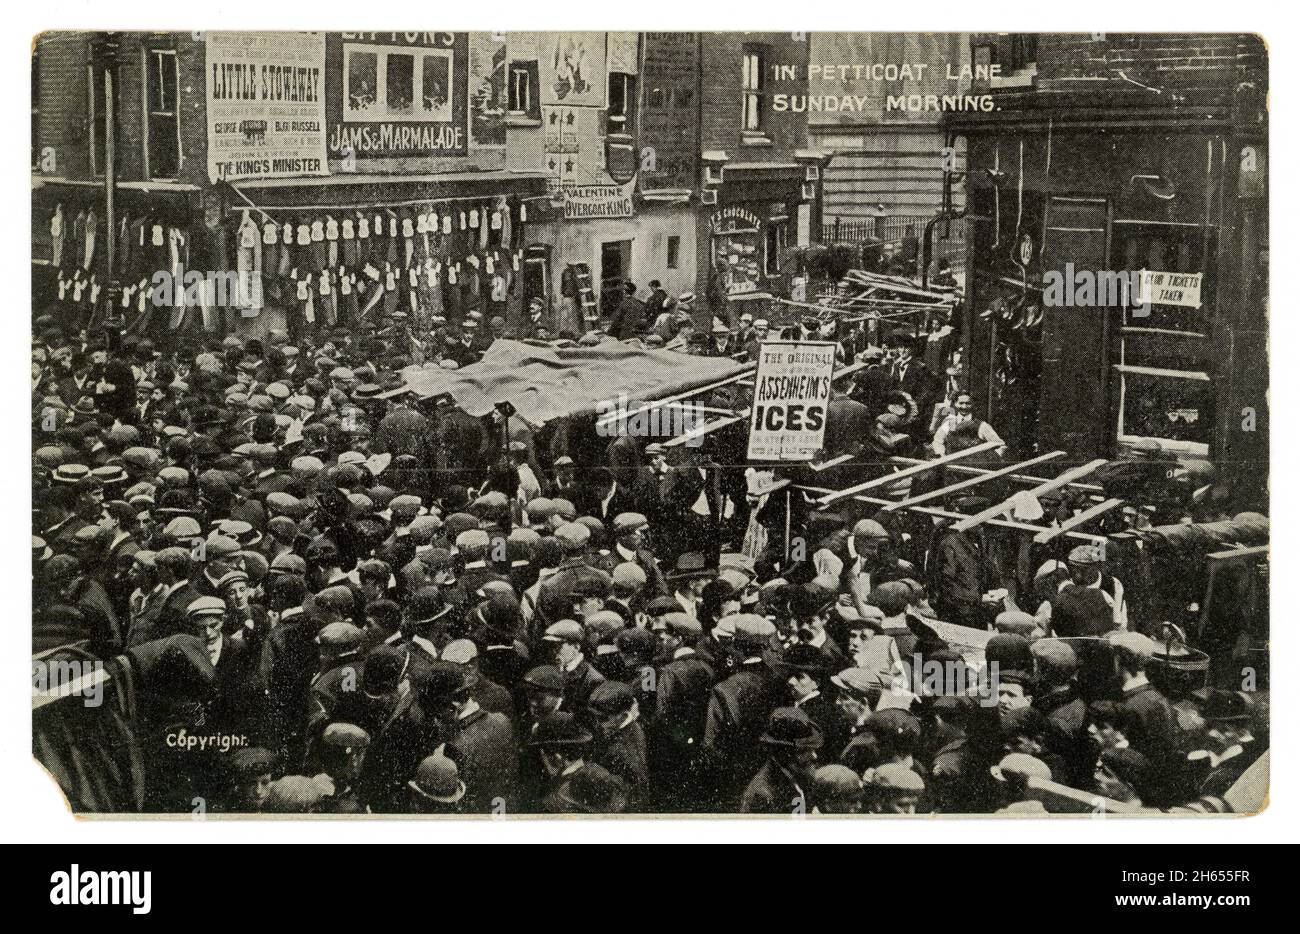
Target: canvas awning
(545, 383)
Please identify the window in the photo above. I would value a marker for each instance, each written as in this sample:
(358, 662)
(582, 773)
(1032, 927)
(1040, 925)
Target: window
(1165, 359)
(96, 70)
(383, 83)
(162, 129)
(751, 83)
(521, 91)
(773, 248)
(622, 104)
(674, 248)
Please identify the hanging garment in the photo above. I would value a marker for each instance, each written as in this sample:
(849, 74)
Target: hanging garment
(248, 264)
(92, 228)
(349, 242)
(57, 233)
(178, 257)
(123, 253)
(332, 241)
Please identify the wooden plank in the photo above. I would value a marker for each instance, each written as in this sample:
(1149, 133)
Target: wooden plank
(1074, 521)
(834, 461)
(949, 514)
(975, 481)
(702, 430)
(1045, 487)
(909, 471)
(1233, 553)
(615, 416)
(1019, 478)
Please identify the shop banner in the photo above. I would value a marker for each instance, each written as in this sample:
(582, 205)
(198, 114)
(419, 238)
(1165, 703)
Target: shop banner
(592, 201)
(573, 68)
(792, 392)
(265, 104)
(1169, 288)
(397, 94)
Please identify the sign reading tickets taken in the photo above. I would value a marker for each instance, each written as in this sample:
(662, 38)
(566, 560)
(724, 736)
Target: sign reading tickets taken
(265, 104)
(792, 393)
(1169, 288)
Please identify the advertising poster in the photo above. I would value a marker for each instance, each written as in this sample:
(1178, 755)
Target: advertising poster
(573, 68)
(397, 94)
(265, 104)
(791, 394)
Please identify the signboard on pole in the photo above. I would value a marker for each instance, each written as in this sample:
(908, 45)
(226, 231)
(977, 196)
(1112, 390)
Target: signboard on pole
(792, 393)
(265, 104)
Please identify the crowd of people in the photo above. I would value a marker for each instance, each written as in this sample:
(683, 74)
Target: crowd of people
(340, 599)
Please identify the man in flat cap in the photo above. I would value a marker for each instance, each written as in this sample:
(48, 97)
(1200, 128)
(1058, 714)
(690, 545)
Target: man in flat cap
(562, 743)
(1057, 698)
(784, 781)
(739, 708)
(1150, 725)
(620, 742)
(564, 638)
(341, 754)
(630, 534)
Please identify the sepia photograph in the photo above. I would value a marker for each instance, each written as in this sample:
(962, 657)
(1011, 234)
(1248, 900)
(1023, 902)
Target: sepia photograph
(841, 425)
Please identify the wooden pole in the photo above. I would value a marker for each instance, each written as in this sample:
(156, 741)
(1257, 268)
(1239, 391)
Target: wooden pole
(1045, 487)
(974, 481)
(1074, 521)
(908, 471)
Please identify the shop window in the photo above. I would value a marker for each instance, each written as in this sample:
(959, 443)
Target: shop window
(381, 83)
(162, 129)
(622, 104)
(522, 92)
(674, 250)
(1163, 358)
(774, 244)
(751, 83)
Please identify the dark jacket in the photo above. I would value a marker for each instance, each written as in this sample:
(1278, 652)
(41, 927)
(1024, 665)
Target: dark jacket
(773, 791)
(485, 745)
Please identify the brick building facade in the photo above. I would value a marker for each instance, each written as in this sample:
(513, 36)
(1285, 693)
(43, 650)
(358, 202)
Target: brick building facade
(1121, 154)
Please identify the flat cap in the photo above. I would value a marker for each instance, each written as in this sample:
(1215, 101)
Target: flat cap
(573, 535)
(565, 630)
(626, 522)
(545, 678)
(752, 629)
(345, 736)
(610, 697)
(341, 636)
(460, 652)
(206, 606)
(679, 623)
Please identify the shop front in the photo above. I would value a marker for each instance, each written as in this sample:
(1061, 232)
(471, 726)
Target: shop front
(1107, 309)
(747, 239)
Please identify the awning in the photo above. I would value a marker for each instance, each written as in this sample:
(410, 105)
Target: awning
(544, 383)
(436, 178)
(388, 190)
